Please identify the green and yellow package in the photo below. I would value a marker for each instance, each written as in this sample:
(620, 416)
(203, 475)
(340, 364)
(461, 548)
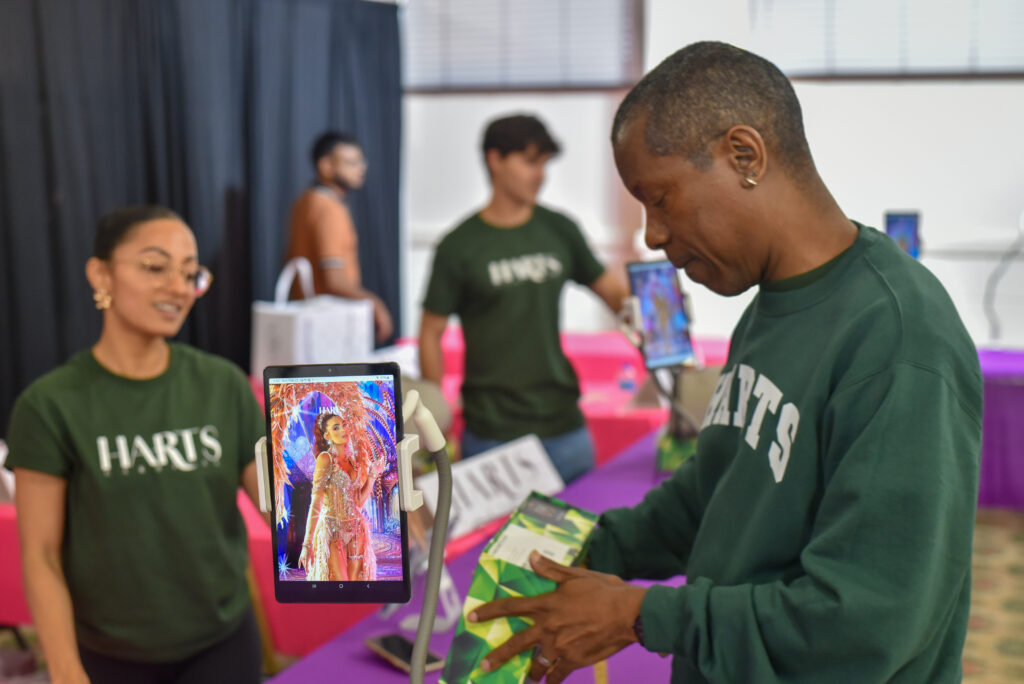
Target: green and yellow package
(552, 527)
(673, 451)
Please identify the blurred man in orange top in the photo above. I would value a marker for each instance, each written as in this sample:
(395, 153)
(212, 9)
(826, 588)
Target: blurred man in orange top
(321, 227)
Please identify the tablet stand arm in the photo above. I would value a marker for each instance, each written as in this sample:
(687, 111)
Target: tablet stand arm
(263, 475)
(682, 419)
(415, 412)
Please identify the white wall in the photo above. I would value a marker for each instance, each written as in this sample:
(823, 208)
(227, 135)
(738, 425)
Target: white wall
(948, 149)
(945, 148)
(445, 181)
(942, 149)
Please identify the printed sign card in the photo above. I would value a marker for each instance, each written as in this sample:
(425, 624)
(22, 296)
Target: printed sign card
(492, 484)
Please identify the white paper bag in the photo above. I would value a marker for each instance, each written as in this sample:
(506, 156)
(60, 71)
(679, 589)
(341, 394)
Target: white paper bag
(6, 477)
(318, 329)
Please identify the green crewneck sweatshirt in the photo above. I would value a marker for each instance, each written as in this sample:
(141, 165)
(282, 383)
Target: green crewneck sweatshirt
(825, 521)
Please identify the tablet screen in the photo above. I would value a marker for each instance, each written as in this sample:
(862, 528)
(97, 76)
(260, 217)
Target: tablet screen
(903, 228)
(339, 534)
(666, 327)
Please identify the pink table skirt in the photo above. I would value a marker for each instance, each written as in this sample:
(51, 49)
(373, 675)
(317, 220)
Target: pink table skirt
(13, 608)
(599, 359)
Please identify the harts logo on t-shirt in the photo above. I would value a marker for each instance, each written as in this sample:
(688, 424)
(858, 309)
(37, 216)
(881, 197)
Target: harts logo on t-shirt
(530, 268)
(178, 449)
(756, 397)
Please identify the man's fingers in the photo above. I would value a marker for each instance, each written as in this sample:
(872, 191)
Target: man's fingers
(559, 672)
(504, 607)
(517, 643)
(541, 664)
(549, 569)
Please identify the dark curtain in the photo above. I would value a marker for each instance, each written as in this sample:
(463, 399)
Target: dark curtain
(206, 106)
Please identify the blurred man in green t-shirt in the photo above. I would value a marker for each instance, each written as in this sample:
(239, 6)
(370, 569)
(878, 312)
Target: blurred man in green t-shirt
(501, 271)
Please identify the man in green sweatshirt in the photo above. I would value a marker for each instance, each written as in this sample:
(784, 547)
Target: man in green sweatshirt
(824, 524)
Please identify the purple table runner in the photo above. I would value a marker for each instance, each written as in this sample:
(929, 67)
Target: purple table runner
(1002, 441)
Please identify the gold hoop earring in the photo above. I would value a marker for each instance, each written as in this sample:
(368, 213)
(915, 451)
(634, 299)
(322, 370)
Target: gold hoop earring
(102, 299)
(750, 182)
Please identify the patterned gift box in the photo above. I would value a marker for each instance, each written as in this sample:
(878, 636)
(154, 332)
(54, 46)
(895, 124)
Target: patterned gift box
(552, 527)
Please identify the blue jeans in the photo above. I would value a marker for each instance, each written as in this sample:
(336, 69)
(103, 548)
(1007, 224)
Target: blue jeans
(572, 453)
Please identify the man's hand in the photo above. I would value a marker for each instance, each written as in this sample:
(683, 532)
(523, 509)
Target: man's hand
(587, 618)
(382, 320)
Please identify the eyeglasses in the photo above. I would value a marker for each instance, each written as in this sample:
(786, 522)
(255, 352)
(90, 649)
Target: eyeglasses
(160, 272)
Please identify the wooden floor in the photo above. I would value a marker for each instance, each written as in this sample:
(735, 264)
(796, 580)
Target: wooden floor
(994, 653)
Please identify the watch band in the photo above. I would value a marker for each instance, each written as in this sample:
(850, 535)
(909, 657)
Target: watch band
(638, 629)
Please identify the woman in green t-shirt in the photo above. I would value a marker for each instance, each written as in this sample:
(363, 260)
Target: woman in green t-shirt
(128, 459)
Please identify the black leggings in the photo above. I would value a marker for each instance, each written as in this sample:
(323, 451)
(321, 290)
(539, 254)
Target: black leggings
(235, 660)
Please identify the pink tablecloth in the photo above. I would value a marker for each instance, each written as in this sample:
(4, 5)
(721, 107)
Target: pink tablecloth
(295, 629)
(599, 360)
(597, 357)
(13, 608)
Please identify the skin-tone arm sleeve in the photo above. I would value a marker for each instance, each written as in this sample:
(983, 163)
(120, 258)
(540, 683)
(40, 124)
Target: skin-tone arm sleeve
(611, 287)
(251, 425)
(432, 328)
(336, 251)
(337, 283)
(333, 240)
(250, 483)
(40, 500)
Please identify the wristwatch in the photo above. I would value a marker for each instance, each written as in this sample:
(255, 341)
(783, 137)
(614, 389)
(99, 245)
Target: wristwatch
(638, 629)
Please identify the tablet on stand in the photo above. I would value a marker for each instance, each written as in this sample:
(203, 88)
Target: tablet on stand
(658, 323)
(904, 228)
(340, 427)
(339, 532)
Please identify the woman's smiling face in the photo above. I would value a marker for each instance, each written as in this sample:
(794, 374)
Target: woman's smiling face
(151, 277)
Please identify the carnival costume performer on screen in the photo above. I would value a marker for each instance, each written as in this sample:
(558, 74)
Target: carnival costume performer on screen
(337, 544)
(343, 450)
